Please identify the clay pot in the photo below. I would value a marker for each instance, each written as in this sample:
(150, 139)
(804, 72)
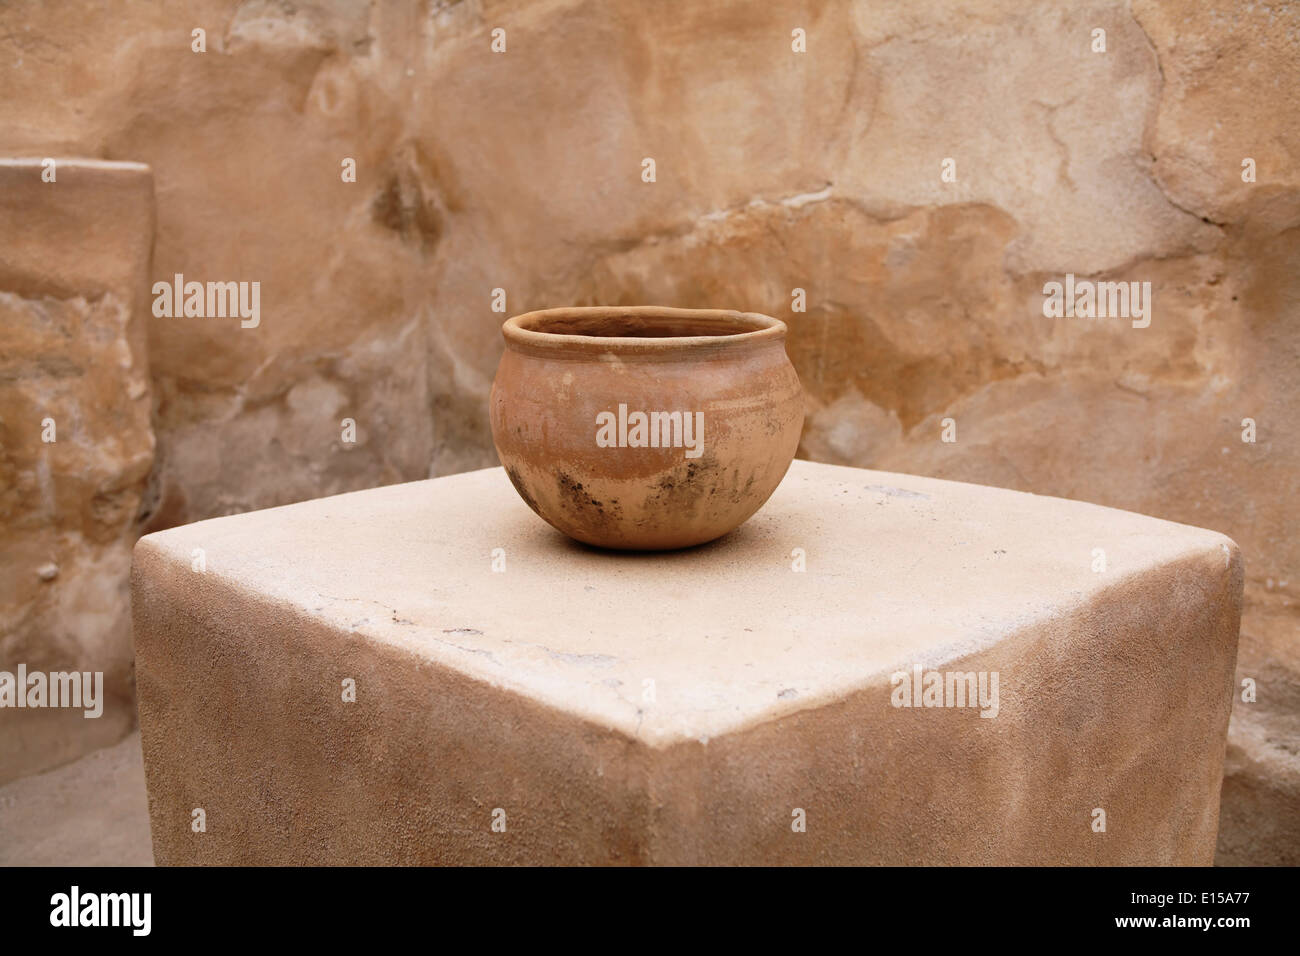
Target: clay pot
(645, 427)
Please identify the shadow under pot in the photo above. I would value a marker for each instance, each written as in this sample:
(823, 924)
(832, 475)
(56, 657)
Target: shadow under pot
(645, 428)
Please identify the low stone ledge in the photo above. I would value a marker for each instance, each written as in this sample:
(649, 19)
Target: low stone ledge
(76, 444)
(520, 698)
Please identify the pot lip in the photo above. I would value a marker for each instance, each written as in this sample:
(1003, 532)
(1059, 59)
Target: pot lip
(517, 333)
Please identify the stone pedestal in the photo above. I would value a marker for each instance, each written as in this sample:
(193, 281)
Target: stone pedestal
(427, 673)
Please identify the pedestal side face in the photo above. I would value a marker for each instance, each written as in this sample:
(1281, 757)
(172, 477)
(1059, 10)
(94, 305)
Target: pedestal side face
(1104, 745)
(681, 707)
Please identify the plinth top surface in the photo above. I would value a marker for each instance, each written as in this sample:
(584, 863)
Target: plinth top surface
(899, 570)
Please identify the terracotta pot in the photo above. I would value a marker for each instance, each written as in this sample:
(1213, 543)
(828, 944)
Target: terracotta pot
(645, 427)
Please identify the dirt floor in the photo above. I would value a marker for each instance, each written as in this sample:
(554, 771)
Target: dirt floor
(92, 812)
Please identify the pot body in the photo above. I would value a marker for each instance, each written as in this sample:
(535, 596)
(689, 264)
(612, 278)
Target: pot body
(718, 425)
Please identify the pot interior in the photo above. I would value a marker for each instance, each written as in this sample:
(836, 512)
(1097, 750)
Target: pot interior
(631, 325)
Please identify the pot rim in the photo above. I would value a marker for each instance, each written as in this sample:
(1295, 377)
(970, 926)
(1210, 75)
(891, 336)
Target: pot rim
(750, 329)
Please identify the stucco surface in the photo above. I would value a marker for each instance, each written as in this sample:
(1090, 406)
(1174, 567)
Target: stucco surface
(770, 689)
